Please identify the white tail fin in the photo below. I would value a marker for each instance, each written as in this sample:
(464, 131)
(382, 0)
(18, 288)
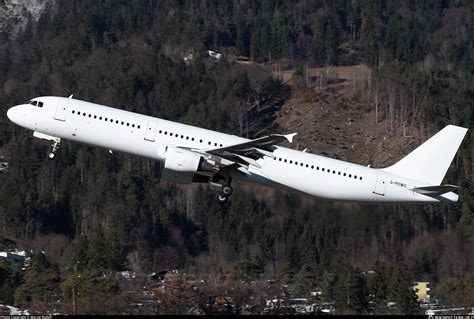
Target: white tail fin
(430, 161)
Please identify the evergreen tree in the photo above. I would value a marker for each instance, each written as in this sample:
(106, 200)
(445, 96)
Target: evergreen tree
(41, 282)
(377, 288)
(306, 280)
(401, 291)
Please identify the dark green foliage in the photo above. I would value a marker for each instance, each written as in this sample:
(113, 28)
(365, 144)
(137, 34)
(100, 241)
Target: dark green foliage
(456, 291)
(377, 288)
(400, 290)
(248, 269)
(41, 282)
(9, 279)
(345, 286)
(307, 278)
(90, 283)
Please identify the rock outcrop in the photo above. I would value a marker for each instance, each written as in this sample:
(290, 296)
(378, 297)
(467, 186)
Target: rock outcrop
(15, 14)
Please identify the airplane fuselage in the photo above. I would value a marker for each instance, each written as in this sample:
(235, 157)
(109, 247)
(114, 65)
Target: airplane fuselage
(148, 137)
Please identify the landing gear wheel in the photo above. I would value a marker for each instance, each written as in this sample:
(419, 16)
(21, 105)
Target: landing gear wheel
(55, 147)
(222, 199)
(227, 190)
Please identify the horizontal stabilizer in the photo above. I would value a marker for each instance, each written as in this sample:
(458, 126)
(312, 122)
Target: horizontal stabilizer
(435, 190)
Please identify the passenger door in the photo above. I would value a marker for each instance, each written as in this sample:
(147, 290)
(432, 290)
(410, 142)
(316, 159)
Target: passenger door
(61, 110)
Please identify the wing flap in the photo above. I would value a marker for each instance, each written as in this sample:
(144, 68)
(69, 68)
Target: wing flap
(248, 153)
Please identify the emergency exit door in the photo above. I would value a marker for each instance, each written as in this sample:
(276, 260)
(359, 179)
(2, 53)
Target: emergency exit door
(151, 131)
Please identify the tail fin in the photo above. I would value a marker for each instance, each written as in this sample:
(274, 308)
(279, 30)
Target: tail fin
(430, 161)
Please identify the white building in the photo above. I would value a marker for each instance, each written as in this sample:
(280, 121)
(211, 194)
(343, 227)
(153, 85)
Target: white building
(15, 257)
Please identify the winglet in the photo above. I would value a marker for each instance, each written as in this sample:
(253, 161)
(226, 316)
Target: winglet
(70, 96)
(289, 137)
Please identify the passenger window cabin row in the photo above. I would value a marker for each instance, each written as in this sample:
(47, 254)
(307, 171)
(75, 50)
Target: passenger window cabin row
(138, 126)
(318, 168)
(209, 143)
(106, 119)
(188, 138)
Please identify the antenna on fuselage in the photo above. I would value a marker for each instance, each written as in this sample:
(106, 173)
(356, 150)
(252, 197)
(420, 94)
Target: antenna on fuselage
(70, 96)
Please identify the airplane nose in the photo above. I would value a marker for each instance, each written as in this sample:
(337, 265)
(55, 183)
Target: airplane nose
(10, 114)
(13, 114)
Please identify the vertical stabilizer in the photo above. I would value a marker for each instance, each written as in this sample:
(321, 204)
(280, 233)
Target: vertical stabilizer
(430, 161)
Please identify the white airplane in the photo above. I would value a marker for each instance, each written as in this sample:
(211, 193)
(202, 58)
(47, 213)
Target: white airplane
(190, 154)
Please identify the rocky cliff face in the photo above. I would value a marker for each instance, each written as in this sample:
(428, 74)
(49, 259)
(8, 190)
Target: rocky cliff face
(14, 14)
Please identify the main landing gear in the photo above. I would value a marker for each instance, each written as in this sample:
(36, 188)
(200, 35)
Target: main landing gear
(55, 147)
(225, 191)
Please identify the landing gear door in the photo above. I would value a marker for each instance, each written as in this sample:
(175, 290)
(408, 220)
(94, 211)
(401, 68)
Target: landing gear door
(379, 188)
(151, 131)
(61, 110)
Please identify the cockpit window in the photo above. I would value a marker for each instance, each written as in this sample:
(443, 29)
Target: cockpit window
(35, 103)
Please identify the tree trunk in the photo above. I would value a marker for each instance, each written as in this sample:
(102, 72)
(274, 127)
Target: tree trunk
(73, 301)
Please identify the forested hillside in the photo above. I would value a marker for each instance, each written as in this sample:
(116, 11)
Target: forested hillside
(95, 213)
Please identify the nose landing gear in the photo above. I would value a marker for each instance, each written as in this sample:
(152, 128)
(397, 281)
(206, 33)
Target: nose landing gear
(54, 139)
(55, 146)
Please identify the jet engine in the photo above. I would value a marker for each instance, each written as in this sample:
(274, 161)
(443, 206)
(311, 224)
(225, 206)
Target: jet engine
(181, 166)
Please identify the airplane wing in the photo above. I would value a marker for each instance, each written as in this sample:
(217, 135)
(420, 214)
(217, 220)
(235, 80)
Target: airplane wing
(435, 190)
(249, 152)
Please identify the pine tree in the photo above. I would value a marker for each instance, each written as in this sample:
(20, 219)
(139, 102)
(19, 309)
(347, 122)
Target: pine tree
(7, 280)
(377, 288)
(306, 279)
(41, 282)
(400, 290)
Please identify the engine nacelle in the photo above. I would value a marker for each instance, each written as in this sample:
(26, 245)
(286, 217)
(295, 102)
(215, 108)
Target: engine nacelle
(181, 165)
